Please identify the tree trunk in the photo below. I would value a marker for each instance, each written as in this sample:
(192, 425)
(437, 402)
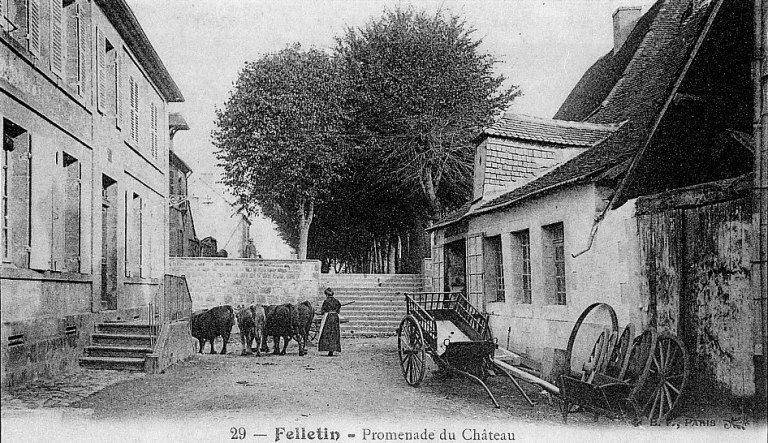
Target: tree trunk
(306, 214)
(392, 256)
(430, 191)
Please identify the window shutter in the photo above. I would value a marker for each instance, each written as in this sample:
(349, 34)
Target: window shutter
(57, 37)
(145, 246)
(71, 60)
(153, 130)
(82, 50)
(41, 235)
(119, 87)
(33, 27)
(127, 233)
(475, 269)
(57, 214)
(101, 71)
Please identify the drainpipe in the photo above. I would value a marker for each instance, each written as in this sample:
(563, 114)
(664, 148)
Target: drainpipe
(760, 197)
(595, 225)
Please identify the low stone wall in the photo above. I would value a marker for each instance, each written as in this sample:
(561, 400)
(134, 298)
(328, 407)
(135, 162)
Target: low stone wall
(217, 281)
(175, 344)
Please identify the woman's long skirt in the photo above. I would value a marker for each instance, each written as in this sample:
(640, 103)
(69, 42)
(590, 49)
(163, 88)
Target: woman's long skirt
(330, 334)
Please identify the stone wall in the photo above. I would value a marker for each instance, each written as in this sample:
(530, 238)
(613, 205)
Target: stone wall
(215, 281)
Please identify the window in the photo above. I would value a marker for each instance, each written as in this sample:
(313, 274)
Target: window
(106, 72)
(76, 34)
(521, 265)
(57, 37)
(494, 269)
(16, 203)
(554, 256)
(22, 21)
(72, 171)
(134, 102)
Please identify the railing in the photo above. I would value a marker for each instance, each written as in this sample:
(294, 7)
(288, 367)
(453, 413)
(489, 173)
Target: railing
(176, 303)
(457, 302)
(423, 318)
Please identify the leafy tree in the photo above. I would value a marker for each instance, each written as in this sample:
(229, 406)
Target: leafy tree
(421, 90)
(280, 137)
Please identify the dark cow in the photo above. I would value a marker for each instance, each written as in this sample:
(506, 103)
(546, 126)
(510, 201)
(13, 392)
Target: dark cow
(305, 313)
(280, 321)
(214, 322)
(250, 321)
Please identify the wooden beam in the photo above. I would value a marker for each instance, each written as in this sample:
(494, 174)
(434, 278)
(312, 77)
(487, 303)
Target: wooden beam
(694, 196)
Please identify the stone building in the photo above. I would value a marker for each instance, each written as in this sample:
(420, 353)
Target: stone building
(83, 112)
(635, 194)
(182, 237)
(219, 220)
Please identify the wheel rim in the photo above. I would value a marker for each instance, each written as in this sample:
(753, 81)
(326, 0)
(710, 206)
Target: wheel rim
(666, 380)
(577, 326)
(411, 350)
(616, 364)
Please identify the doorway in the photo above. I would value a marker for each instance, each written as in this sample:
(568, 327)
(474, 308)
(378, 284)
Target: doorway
(108, 243)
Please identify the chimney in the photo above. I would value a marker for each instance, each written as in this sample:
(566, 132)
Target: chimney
(624, 20)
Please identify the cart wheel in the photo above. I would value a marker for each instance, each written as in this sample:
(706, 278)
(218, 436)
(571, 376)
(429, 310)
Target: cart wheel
(577, 327)
(617, 363)
(638, 363)
(666, 379)
(412, 351)
(592, 365)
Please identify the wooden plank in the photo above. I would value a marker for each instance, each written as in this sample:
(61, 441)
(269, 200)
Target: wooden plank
(695, 196)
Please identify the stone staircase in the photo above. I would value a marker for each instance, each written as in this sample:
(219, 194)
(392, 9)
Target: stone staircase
(378, 307)
(122, 346)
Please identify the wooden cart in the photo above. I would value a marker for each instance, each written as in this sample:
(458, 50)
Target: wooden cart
(642, 377)
(455, 334)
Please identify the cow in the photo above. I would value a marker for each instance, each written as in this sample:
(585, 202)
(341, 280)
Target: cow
(250, 321)
(305, 315)
(214, 322)
(280, 321)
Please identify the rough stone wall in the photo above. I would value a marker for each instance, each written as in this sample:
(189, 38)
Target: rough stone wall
(217, 281)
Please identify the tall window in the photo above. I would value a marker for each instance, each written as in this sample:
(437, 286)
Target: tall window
(133, 235)
(494, 269)
(554, 256)
(521, 263)
(76, 32)
(22, 21)
(16, 203)
(106, 74)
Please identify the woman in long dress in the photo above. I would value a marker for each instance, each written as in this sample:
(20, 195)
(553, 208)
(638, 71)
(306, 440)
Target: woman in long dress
(330, 332)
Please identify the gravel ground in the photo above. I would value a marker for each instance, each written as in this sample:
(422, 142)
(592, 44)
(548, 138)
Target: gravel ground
(212, 397)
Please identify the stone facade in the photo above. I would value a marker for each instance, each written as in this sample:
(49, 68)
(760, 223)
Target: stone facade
(84, 172)
(217, 281)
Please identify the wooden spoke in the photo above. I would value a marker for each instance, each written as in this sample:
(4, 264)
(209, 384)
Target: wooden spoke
(411, 350)
(664, 381)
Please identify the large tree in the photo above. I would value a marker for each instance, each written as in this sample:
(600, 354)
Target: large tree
(421, 90)
(280, 137)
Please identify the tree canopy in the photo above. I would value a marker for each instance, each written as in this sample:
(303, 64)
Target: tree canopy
(280, 137)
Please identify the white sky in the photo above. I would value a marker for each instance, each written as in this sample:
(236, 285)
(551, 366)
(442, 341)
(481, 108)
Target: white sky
(544, 46)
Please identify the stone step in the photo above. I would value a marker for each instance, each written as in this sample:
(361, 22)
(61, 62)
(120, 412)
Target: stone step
(103, 338)
(125, 328)
(122, 364)
(117, 351)
(379, 316)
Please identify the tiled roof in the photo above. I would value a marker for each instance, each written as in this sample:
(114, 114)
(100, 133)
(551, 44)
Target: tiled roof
(662, 41)
(637, 97)
(559, 132)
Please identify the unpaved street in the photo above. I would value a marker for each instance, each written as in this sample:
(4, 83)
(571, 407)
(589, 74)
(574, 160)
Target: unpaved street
(363, 381)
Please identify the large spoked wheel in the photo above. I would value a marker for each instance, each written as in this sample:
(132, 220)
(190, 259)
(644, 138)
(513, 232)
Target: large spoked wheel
(666, 379)
(620, 352)
(412, 350)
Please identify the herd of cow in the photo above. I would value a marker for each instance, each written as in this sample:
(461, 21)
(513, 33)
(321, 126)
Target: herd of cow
(256, 324)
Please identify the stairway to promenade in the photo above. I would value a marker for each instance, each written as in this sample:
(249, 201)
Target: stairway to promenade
(378, 306)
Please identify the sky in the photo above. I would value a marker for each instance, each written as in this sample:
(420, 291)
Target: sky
(542, 46)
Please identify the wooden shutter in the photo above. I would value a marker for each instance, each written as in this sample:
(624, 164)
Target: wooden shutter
(101, 71)
(72, 47)
(57, 213)
(144, 238)
(42, 210)
(57, 37)
(119, 86)
(72, 217)
(475, 269)
(33, 27)
(128, 233)
(82, 49)
(153, 130)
